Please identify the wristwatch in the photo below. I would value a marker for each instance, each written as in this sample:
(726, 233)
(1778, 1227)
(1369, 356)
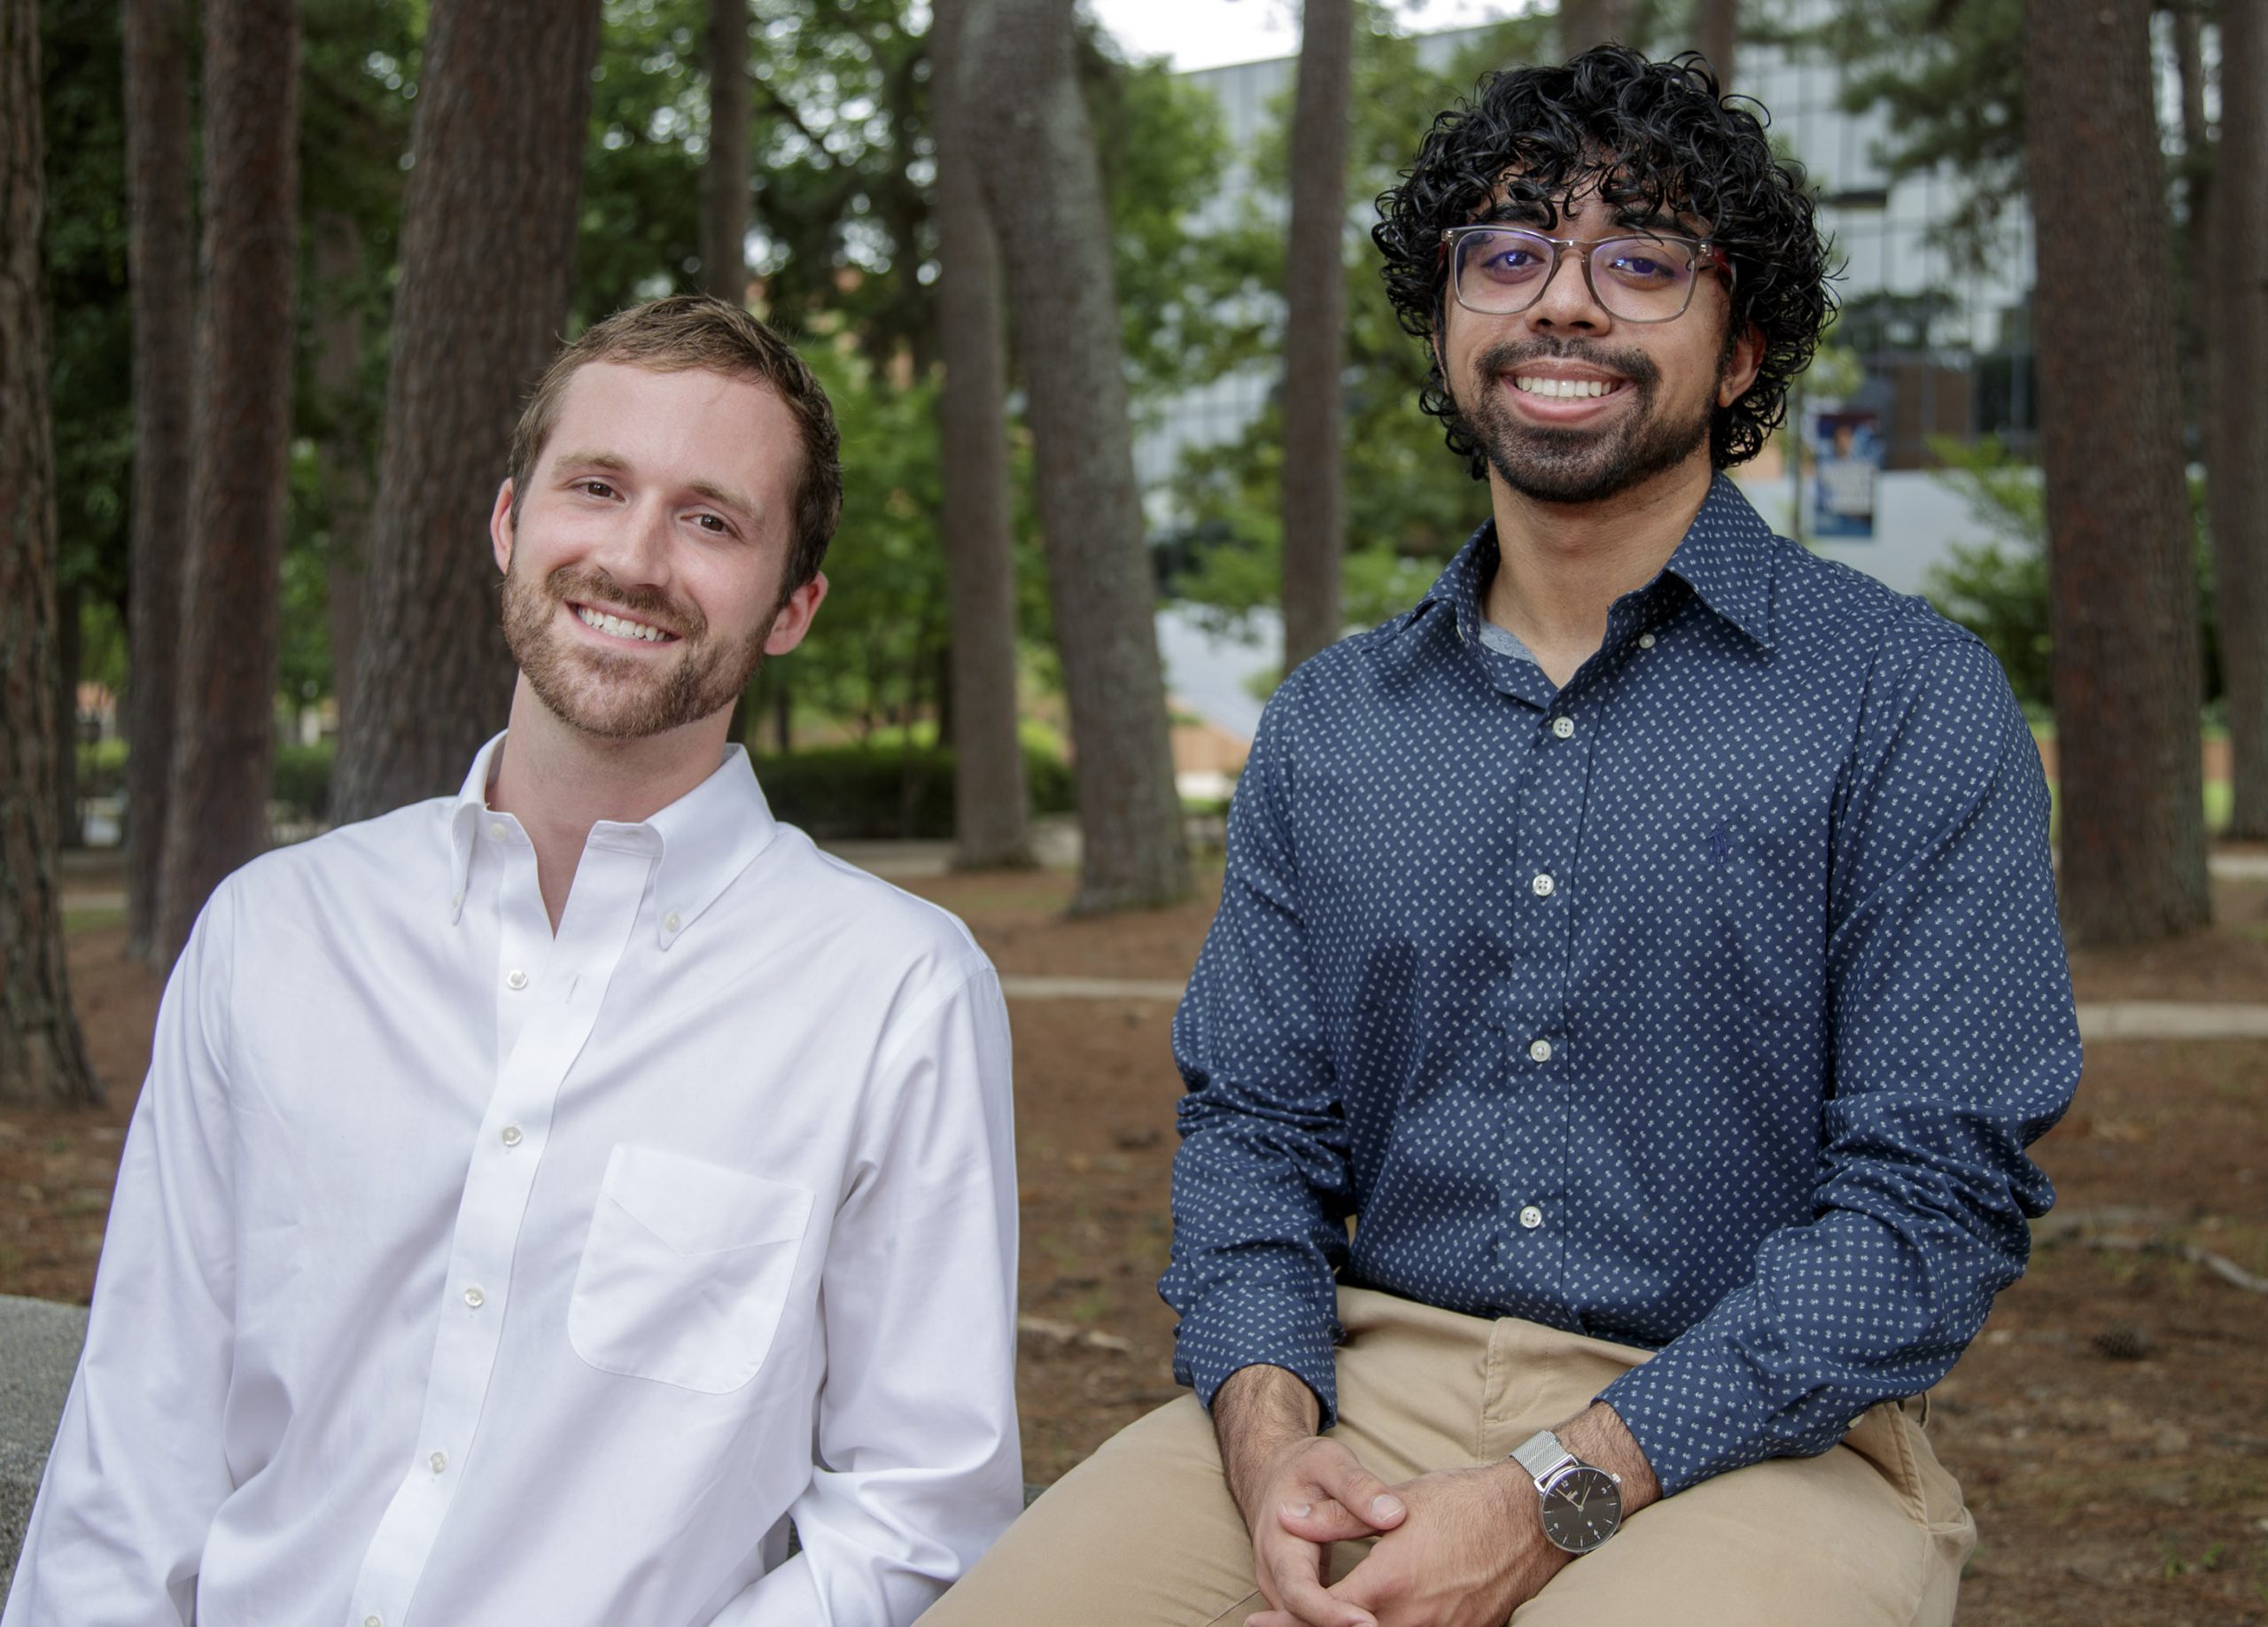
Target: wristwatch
(1582, 1505)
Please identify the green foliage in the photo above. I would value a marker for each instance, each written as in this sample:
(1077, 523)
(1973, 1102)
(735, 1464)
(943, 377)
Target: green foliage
(1948, 76)
(82, 112)
(641, 234)
(1997, 589)
(901, 793)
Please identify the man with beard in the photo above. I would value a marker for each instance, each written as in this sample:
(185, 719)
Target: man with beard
(541, 1196)
(1646, 946)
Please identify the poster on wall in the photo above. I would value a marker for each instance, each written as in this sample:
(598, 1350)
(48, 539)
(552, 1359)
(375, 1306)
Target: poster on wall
(1847, 454)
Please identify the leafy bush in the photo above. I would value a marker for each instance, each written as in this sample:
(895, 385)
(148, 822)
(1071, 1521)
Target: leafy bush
(861, 793)
(301, 780)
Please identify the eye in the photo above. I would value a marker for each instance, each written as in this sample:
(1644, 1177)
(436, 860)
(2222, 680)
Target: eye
(714, 525)
(1508, 257)
(590, 486)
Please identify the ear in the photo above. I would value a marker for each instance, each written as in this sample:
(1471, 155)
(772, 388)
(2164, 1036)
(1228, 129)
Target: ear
(1739, 371)
(794, 617)
(500, 525)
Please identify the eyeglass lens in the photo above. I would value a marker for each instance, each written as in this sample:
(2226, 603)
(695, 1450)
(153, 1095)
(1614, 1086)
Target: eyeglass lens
(1638, 278)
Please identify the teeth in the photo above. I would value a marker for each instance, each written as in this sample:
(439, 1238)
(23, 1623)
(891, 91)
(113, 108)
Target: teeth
(617, 626)
(1563, 388)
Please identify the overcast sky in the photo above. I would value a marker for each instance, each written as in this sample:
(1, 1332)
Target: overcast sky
(1201, 34)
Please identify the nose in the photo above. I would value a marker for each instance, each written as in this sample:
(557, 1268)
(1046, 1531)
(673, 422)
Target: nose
(636, 552)
(1566, 300)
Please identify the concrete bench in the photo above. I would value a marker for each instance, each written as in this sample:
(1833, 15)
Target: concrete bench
(39, 1351)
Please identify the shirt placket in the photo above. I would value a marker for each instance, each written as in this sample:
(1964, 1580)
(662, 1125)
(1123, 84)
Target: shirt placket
(1542, 1054)
(548, 991)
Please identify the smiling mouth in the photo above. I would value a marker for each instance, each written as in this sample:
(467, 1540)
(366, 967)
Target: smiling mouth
(621, 627)
(1564, 389)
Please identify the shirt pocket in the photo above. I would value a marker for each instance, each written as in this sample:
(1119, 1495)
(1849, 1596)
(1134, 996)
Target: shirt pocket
(686, 1270)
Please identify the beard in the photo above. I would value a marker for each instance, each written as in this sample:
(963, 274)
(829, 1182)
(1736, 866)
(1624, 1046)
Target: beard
(622, 697)
(1549, 463)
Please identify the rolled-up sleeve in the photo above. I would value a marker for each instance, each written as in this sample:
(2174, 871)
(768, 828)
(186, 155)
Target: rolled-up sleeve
(1262, 1185)
(1954, 1046)
(139, 1466)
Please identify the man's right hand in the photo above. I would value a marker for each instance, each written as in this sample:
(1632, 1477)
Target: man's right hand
(1265, 1420)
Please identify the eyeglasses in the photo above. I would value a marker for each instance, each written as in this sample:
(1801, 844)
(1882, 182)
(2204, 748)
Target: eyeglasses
(1645, 276)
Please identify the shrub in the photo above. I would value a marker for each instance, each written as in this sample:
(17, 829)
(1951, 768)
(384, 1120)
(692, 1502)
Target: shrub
(889, 793)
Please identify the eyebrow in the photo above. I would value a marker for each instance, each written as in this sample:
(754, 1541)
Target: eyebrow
(722, 496)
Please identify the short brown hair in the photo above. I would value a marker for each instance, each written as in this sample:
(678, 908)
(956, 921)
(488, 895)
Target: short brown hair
(694, 330)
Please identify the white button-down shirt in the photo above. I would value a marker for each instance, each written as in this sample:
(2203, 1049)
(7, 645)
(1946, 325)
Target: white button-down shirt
(459, 1273)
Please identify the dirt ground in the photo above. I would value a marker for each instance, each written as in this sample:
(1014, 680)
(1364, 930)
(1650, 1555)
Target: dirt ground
(2111, 1424)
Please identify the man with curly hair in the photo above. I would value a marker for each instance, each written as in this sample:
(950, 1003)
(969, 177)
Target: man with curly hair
(1636, 983)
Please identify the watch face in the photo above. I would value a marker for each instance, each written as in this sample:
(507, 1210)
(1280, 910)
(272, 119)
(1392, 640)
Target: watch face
(1582, 1508)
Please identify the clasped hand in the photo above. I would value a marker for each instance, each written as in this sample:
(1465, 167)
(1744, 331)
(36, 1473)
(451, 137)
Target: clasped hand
(1456, 1548)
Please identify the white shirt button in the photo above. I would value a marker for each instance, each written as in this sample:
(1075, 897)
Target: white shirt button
(496, 829)
(372, 1621)
(671, 922)
(1539, 1050)
(438, 1461)
(1645, 641)
(516, 979)
(475, 1299)
(509, 1135)
(1531, 1217)
(456, 901)
(1563, 727)
(1543, 886)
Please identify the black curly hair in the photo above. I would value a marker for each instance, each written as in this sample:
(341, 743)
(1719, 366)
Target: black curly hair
(1650, 135)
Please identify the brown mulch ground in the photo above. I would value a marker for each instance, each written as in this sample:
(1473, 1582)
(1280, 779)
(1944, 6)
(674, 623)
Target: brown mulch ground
(2129, 1487)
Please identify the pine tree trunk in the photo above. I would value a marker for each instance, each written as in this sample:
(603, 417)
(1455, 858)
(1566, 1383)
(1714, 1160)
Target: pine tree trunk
(1716, 36)
(487, 263)
(2124, 592)
(2236, 432)
(224, 726)
(43, 1056)
(1044, 186)
(1586, 23)
(724, 176)
(162, 274)
(991, 828)
(342, 448)
(1315, 289)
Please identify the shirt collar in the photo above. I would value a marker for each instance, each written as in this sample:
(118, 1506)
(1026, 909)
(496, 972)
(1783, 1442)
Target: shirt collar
(702, 842)
(1725, 557)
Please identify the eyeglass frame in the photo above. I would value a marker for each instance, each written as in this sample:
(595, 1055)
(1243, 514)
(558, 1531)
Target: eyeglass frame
(1707, 253)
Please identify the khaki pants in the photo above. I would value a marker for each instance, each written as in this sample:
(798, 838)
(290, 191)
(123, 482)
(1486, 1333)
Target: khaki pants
(1144, 1532)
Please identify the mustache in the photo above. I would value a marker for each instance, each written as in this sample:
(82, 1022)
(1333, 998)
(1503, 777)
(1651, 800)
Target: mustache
(569, 583)
(1506, 355)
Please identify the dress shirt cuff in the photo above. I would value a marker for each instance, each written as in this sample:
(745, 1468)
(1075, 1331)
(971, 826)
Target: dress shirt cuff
(1696, 1412)
(1218, 1339)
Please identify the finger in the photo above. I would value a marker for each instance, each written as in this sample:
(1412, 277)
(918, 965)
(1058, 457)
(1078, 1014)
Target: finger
(1296, 1568)
(1360, 1492)
(1326, 1521)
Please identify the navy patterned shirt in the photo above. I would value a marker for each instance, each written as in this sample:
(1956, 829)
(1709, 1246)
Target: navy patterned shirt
(1706, 1004)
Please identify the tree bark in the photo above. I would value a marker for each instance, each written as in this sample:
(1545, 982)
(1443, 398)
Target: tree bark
(70, 831)
(1586, 23)
(42, 1054)
(1716, 36)
(2236, 433)
(224, 726)
(1315, 322)
(724, 177)
(1044, 186)
(2123, 608)
(991, 828)
(162, 277)
(487, 262)
(342, 446)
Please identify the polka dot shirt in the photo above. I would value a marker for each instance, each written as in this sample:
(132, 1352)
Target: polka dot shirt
(1706, 1004)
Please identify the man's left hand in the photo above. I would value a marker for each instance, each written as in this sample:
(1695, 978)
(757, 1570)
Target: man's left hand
(1471, 1553)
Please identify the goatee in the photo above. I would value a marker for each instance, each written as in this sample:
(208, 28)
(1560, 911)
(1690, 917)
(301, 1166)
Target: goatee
(1548, 463)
